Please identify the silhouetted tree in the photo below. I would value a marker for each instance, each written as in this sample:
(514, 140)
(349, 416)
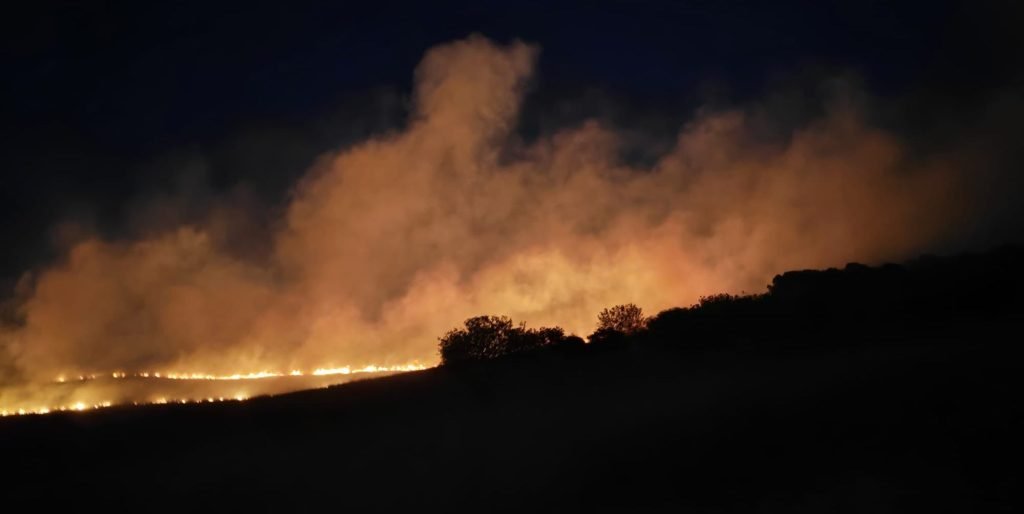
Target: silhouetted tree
(627, 319)
(571, 343)
(487, 337)
(607, 338)
(480, 339)
(729, 305)
(672, 323)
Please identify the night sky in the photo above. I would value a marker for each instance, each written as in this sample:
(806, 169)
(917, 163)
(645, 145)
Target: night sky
(107, 105)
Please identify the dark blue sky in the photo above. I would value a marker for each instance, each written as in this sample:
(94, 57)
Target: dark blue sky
(101, 98)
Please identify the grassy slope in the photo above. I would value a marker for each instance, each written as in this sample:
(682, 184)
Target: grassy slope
(908, 417)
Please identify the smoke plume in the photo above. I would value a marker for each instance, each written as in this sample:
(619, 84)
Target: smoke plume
(386, 244)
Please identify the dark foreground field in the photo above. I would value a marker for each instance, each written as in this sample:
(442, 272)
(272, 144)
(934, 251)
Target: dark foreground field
(901, 414)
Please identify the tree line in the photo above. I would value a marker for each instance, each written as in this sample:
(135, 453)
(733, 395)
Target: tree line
(859, 299)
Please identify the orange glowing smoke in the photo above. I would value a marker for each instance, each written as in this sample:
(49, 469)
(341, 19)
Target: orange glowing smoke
(386, 244)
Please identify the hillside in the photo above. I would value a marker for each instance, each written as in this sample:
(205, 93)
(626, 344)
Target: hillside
(854, 390)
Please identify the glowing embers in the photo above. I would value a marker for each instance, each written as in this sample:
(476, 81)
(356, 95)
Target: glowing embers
(160, 388)
(82, 406)
(74, 407)
(237, 376)
(256, 375)
(345, 370)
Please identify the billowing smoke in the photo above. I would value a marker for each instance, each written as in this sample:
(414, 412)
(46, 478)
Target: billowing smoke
(386, 244)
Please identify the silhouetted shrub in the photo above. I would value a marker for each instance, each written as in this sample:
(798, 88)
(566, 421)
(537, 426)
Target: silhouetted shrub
(487, 337)
(671, 322)
(724, 304)
(572, 342)
(627, 319)
(547, 335)
(604, 338)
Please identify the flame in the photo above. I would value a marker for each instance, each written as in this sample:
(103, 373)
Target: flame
(253, 375)
(81, 406)
(345, 370)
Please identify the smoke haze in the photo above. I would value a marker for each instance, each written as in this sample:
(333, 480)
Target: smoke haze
(386, 244)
